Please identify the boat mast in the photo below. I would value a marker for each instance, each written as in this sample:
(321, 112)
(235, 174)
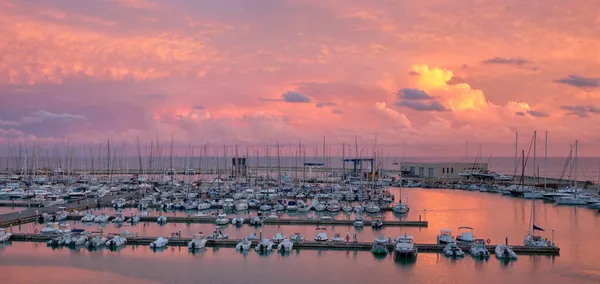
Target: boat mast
(545, 161)
(534, 154)
(516, 153)
(576, 162)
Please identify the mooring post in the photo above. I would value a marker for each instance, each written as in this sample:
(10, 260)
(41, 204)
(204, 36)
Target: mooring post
(506, 241)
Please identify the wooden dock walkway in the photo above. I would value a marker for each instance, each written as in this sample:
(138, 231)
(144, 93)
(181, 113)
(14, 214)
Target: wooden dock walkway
(211, 220)
(330, 245)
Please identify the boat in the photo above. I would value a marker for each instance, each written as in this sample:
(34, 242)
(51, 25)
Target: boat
(347, 208)
(222, 219)
(197, 242)
(265, 207)
(228, 204)
(61, 214)
(337, 238)
(96, 242)
(292, 205)
(89, 217)
(237, 221)
(278, 237)
(445, 236)
(77, 240)
(400, 208)
(102, 218)
(134, 219)
(465, 234)
(359, 222)
(479, 249)
(333, 207)
(116, 241)
(265, 245)
(50, 228)
(4, 235)
(244, 245)
(118, 218)
(377, 223)
(321, 235)
(453, 250)
(204, 206)
(256, 221)
(160, 242)
(505, 252)
(241, 206)
(285, 246)
(380, 246)
(372, 208)
(302, 207)
(161, 219)
(297, 237)
(320, 207)
(218, 234)
(251, 236)
(531, 239)
(58, 241)
(405, 247)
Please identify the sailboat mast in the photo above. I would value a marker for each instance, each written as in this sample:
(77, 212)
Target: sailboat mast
(534, 153)
(546, 161)
(576, 161)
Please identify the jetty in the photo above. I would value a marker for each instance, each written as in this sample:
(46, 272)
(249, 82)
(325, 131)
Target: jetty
(314, 245)
(268, 221)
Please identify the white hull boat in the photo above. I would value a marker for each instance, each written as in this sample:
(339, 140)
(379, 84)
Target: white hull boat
(285, 246)
(159, 243)
(505, 252)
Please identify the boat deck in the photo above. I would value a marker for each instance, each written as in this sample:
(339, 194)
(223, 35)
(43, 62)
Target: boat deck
(360, 246)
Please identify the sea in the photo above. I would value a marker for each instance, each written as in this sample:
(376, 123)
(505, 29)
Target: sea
(575, 229)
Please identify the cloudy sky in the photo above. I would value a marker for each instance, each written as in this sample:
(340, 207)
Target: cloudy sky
(433, 73)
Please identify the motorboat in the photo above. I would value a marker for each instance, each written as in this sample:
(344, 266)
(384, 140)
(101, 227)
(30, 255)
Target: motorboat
(347, 208)
(400, 208)
(359, 222)
(278, 237)
(77, 240)
(297, 237)
(505, 252)
(453, 250)
(377, 223)
(479, 249)
(337, 238)
(532, 240)
(161, 219)
(4, 235)
(241, 206)
(570, 200)
(445, 236)
(228, 204)
(190, 205)
(61, 214)
(405, 247)
(465, 234)
(204, 206)
(244, 245)
(58, 241)
(50, 228)
(102, 218)
(237, 221)
(285, 246)
(265, 207)
(265, 245)
(358, 208)
(217, 234)
(222, 219)
(380, 246)
(251, 236)
(321, 235)
(279, 207)
(372, 208)
(198, 242)
(320, 207)
(134, 219)
(333, 207)
(96, 242)
(118, 218)
(256, 221)
(63, 228)
(89, 217)
(292, 205)
(159, 243)
(303, 207)
(116, 241)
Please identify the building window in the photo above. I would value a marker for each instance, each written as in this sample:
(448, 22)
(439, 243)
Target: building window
(443, 170)
(452, 170)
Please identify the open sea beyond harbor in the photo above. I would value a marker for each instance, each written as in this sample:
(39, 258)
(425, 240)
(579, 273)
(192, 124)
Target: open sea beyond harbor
(493, 216)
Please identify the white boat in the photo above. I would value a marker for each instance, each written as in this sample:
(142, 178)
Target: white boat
(278, 237)
(285, 246)
(400, 208)
(297, 237)
(445, 236)
(50, 228)
(302, 207)
(279, 207)
(241, 206)
(505, 252)
(237, 221)
(4, 235)
(134, 219)
(570, 200)
(358, 208)
(320, 207)
(333, 207)
(337, 238)
(244, 245)
(116, 242)
(322, 235)
(161, 219)
(77, 240)
(265, 207)
(198, 242)
(465, 234)
(479, 249)
(347, 208)
(218, 234)
(159, 243)
(251, 236)
(377, 224)
(222, 219)
(118, 218)
(372, 208)
(452, 249)
(265, 245)
(359, 222)
(102, 218)
(380, 246)
(228, 204)
(89, 217)
(61, 214)
(256, 221)
(532, 240)
(96, 242)
(204, 206)
(405, 247)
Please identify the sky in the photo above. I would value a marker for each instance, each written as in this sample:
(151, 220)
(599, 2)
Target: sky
(432, 74)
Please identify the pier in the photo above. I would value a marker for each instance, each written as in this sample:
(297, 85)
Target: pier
(349, 246)
(267, 221)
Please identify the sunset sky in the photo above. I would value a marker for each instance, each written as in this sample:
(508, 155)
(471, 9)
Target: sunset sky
(432, 73)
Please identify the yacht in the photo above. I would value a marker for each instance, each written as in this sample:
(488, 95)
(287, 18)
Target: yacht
(400, 208)
(50, 228)
(320, 207)
(570, 200)
(279, 207)
(159, 243)
(445, 236)
(465, 234)
(505, 252)
(405, 247)
(347, 208)
(228, 204)
(479, 249)
(452, 249)
(198, 242)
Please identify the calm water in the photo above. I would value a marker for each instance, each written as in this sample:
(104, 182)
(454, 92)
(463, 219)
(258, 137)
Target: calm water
(493, 216)
(4, 210)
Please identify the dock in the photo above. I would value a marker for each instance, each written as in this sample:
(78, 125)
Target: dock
(267, 221)
(312, 245)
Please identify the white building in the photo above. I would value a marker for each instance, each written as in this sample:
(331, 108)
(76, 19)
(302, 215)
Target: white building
(446, 170)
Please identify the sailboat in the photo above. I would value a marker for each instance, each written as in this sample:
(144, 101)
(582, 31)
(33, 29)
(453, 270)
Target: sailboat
(400, 208)
(531, 239)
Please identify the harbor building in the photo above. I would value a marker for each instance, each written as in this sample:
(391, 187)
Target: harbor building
(444, 170)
